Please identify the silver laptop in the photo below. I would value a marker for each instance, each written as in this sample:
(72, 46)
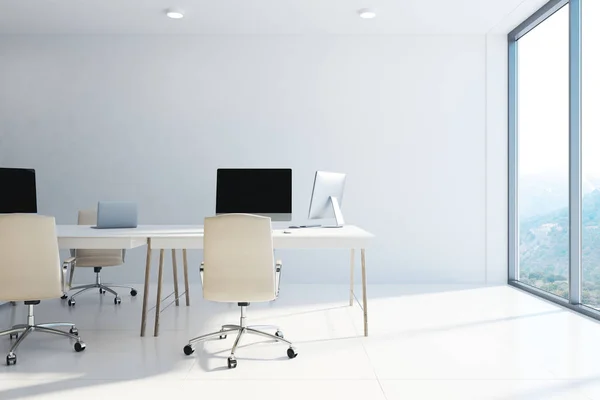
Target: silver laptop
(116, 214)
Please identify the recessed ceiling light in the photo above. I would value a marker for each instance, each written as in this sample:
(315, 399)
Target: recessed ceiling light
(367, 13)
(174, 13)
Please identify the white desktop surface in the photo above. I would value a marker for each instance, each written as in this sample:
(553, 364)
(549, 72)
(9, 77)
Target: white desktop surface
(86, 237)
(191, 237)
(346, 237)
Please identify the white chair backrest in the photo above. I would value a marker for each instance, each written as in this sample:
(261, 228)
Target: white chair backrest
(239, 264)
(96, 258)
(29, 259)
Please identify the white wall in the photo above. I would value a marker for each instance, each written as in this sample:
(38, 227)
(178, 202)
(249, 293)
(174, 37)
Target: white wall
(151, 118)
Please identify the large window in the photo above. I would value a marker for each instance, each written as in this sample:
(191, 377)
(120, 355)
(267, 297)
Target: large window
(543, 156)
(590, 149)
(554, 165)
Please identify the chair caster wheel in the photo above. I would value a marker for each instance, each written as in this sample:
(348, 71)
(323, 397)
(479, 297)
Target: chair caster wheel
(11, 359)
(79, 346)
(188, 349)
(223, 337)
(117, 300)
(74, 331)
(133, 292)
(13, 335)
(231, 363)
(71, 302)
(102, 291)
(292, 353)
(64, 297)
(279, 334)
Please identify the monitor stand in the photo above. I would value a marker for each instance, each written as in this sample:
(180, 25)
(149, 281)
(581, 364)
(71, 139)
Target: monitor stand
(337, 212)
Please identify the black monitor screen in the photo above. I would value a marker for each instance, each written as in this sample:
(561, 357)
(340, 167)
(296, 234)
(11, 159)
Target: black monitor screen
(254, 191)
(17, 194)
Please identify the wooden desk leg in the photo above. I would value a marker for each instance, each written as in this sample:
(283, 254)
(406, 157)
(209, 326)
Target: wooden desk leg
(187, 282)
(351, 277)
(364, 290)
(159, 291)
(175, 282)
(146, 287)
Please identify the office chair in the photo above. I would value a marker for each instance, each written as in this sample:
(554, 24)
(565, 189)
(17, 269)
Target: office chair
(239, 268)
(32, 272)
(96, 259)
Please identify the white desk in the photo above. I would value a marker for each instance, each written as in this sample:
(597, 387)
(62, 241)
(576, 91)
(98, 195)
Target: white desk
(162, 237)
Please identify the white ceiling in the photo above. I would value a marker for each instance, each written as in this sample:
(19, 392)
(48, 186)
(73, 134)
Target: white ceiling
(256, 16)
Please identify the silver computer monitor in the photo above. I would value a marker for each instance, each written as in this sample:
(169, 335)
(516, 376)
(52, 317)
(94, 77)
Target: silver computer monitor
(327, 195)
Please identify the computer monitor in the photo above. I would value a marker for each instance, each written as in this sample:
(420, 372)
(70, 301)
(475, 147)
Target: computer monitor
(18, 192)
(327, 195)
(266, 192)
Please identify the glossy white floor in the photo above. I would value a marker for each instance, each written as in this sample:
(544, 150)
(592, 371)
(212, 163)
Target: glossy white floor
(426, 342)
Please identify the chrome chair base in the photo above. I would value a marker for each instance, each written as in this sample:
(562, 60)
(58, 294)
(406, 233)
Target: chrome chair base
(240, 330)
(21, 331)
(102, 288)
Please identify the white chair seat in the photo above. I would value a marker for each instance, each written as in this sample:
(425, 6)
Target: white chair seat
(30, 271)
(97, 258)
(239, 267)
